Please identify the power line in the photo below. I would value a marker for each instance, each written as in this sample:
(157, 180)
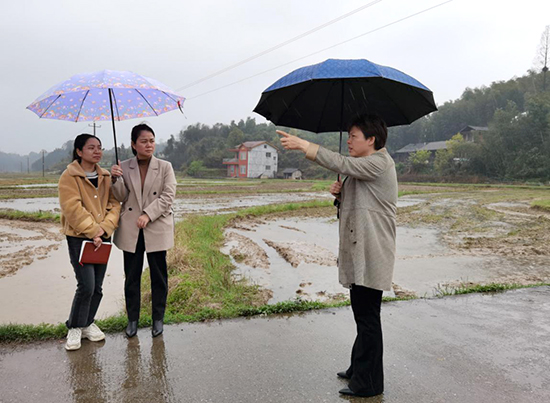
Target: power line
(322, 50)
(279, 45)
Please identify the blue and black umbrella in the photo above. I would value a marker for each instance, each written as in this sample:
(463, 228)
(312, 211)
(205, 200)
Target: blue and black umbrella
(325, 97)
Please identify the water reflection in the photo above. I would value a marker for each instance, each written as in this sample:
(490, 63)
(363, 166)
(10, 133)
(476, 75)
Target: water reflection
(85, 374)
(145, 377)
(138, 375)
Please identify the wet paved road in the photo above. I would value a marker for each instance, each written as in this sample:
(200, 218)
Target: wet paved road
(475, 348)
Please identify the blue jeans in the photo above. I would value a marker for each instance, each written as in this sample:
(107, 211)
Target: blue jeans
(89, 279)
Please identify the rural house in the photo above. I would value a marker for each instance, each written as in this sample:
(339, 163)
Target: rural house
(292, 173)
(402, 154)
(253, 159)
(469, 134)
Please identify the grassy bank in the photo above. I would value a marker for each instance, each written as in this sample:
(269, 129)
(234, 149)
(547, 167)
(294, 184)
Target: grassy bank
(477, 185)
(29, 216)
(543, 205)
(443, 291)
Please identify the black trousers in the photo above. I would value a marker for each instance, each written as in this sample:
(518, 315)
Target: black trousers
(133, 266)
(366, 370)
(89, 283)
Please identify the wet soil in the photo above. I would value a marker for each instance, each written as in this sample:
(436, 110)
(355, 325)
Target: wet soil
(23, 242)
(445, 241)
(247, 251)
(194, 189)
(302, 252)
(184, 204)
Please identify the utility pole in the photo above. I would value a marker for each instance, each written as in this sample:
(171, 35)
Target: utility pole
(94, 125)
(43, 163)
(28, 165)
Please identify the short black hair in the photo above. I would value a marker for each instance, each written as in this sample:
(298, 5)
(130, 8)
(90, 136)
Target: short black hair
(136, 131)
(371, 124)
(79, 143)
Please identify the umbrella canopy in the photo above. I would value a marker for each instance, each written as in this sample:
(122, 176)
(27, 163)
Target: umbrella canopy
(325, 97)
(106, 95)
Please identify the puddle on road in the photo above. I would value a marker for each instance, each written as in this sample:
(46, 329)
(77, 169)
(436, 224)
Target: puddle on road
(423, 261)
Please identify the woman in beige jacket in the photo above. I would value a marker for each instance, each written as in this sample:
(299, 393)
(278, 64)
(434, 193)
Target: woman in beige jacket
(146, 186)
(88, 212)
(367, 199)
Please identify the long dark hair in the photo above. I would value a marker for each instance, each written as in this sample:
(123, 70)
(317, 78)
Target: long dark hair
(80, 142)
(136, 131)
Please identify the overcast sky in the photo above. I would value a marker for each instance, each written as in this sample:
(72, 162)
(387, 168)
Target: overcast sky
(465, 43)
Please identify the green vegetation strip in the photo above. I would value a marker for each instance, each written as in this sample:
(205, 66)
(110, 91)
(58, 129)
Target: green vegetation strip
(29, 216)
(27, 196)
(247, 191)
(481, 288)
(543, 205)
(477, 185)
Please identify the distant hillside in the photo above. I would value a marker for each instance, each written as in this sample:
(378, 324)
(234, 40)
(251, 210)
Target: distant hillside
(476, 107)
(10, 162)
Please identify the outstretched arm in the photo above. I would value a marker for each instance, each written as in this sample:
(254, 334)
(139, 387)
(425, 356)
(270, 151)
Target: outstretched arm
(364, 168)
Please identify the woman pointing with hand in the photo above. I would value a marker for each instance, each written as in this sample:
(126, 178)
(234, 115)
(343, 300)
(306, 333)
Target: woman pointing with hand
(367, 199)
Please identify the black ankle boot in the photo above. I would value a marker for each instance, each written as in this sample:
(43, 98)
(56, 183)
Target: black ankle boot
(157, 328)
(131, 329)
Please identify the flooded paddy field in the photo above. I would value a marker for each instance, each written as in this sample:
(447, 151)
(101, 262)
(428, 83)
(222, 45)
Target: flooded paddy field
(446, 238)
(444, 241)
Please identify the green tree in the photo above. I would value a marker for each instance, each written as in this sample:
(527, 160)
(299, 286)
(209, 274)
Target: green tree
(195, 169)
(235, 137)
(420, 161)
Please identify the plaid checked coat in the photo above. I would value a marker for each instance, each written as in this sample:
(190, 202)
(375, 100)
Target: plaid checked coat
(367, 216)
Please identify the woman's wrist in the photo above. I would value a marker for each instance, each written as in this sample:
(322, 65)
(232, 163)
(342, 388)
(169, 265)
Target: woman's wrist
(304, 146)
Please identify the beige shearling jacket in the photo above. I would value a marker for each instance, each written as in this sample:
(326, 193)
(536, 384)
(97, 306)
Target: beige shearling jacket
(85, 208)
(368, 207)
(159, 191)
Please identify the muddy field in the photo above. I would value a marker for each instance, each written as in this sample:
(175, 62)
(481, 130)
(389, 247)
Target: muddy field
(186, 188)
(445, 241)
(449, 237)
(23, 242)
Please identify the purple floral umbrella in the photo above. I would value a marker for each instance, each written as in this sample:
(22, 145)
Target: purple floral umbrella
(106, 95)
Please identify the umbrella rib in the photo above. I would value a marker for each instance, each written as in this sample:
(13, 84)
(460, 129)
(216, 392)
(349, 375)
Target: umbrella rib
(393, 100)
(49, 106)
(116, 104)
(324, 106)
(169, 96)
(147, 102)
(80, 109)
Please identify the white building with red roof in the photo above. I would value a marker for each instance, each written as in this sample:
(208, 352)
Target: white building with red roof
(253, 159)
